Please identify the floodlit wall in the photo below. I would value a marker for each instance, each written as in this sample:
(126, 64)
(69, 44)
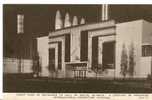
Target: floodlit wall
(75, 45)
(11, 65)
(43, 50)
(129, 33)
(147, 33)
(146, 64)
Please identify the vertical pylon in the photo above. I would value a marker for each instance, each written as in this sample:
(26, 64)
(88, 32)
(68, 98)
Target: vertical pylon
(75, 21)
(67, 22)
(82, 21)
(58, 20)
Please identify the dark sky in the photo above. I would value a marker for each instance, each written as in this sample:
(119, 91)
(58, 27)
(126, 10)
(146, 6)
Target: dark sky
(39, 20)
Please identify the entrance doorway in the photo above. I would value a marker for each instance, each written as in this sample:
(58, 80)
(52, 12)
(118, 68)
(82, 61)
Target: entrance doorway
(52, 59)
(108, 55)
(94, 52)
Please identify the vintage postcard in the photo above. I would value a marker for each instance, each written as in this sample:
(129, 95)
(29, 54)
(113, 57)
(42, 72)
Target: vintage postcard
(83, 51)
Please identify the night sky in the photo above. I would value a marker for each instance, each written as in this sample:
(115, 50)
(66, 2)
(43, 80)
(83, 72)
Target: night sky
(39, 20)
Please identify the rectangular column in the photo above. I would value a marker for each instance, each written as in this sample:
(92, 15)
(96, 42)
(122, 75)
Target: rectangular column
(100, 47)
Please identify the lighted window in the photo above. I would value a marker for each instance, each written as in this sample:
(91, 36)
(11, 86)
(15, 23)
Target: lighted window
(20, 23)
(146, 50)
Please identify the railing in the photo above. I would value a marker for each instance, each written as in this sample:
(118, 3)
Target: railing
(79, 69)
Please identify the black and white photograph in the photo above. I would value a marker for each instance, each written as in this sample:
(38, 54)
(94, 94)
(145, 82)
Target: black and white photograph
(77, 48)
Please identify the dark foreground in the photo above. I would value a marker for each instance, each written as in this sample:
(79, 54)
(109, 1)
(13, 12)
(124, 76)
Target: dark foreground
(45, 85)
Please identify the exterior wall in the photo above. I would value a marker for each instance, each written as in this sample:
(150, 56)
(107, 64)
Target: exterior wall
(11, 65)
(127, 33)
(43, 49)
(146, 64)
(75, 45)
(147, 33)
(42, 46)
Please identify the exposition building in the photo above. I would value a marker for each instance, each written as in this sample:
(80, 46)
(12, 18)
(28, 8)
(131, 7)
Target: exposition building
(105, 49)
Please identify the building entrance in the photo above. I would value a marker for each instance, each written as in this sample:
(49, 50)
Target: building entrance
(108, 54)
(52, 59)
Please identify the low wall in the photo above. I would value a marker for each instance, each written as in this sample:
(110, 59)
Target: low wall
(11, 65)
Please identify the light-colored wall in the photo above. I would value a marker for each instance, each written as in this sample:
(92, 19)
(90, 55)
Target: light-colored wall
(147, 33)
(43, 50)
(146, 64)
(11, 65)
(75, 45)
(127, 33)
